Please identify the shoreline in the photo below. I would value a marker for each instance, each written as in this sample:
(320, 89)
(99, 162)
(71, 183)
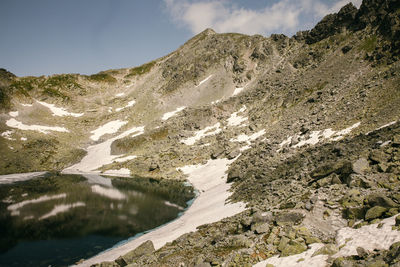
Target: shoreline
(208, 207)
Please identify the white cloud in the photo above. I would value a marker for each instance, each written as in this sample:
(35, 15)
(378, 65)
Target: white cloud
(285, 16)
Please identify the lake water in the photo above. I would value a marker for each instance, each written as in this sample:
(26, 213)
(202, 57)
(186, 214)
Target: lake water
(56, 220)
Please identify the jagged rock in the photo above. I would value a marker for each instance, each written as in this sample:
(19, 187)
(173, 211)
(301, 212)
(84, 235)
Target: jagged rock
(332, 24)
(378, 156)
(292, 248)
(360, 166)
(289, 218)
(341, 262)
(361, 252)
(328, 249)
(393, 255)
(375, 212)
(260, 228)
(145, 248)
(379, 199)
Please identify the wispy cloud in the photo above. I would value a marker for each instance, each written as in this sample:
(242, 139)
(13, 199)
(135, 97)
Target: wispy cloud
(285, 16)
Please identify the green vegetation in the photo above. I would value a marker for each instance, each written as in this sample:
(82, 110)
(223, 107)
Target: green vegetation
(369, 44)
(102, 77)
(141, 69)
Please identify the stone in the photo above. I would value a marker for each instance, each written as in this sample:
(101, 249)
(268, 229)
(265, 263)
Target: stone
(360, 166)
(293, 248)
(328, 249)
(378, 156)
(260, 228)
(341, 262)
(204, 264)
(379, 199)
(396, 140)
(361, 252)
(375, 212)
(393, 254)
(397, 220)
(289, 218)
(145, 248)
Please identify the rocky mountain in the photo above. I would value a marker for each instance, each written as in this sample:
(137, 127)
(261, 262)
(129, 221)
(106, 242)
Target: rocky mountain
(309, 125)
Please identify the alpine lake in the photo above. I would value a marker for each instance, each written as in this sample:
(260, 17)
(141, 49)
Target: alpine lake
(59, 219)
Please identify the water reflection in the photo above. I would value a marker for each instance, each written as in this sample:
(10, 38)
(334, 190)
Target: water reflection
(65, 218)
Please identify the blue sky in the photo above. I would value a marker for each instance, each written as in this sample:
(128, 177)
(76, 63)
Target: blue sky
(44, 37)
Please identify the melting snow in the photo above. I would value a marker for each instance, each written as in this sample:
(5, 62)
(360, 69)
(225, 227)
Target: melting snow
(248, 138)
(26, 105)
(62, 208)
(304, 259)
(130, 104)
(123, 159)
(235, 120)
(11, 178)
(108, 128)
(203, 81)
(210, 206)
(237, 91)
(120, 94)
(13, 123)
(210, 130)
(317, 136)
(122, 171)
(168, 115)
(100, 154)
(59, 111)
(369, 237)
(7, 135)
(24, 138)
(14, 113)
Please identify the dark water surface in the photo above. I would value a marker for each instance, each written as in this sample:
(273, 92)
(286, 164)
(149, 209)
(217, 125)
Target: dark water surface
(56, 220)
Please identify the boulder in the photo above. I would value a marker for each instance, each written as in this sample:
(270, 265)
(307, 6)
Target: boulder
(290, 218)
(375, 212)
(379, 199)
(360, 166)
(145, 248)
(292, 248)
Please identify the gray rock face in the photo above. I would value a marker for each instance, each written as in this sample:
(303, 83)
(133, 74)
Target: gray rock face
(144, 249)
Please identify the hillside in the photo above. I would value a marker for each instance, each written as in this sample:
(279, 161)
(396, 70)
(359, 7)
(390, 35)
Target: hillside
(309, 125)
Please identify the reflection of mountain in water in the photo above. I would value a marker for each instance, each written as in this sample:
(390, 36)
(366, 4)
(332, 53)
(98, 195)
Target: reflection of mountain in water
(67, 208)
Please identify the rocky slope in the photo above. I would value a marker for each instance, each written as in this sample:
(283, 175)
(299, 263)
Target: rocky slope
(313, 119)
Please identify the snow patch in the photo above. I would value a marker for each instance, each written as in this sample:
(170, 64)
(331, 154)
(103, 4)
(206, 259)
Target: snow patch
(304, 259)
(235, 120)
(108, 128)
(203, 81)
(7, 135)
(210, 130)
(24, 138)
(369, 237)
(26, 105)
(62, 208)
(100, 154)
(17, 177)
(237, 91)
(248, 138)
(120, 94)
(316, 136)
(168, 115)
(123, 159)
(14, 113)
(59, 111)
(130, 104)
(13, 123)
(122, 171)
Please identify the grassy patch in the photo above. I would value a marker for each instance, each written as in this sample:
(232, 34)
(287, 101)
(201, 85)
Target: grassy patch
(141, 69)
(102, 77)
(369, 44)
